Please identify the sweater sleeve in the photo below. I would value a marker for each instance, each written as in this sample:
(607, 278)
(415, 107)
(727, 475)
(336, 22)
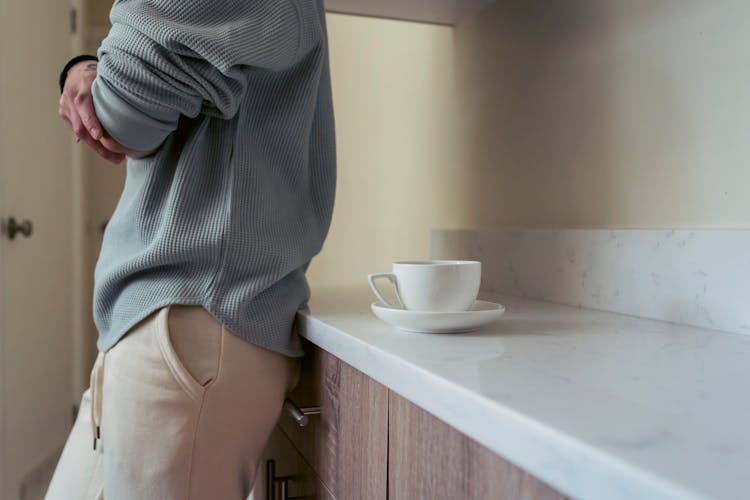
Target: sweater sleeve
(166, 58)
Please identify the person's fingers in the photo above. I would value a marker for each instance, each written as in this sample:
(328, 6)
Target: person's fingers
(76, 100)
(83, 132)
(76, 125)
(96, 145)
(61, 107)
(100, 149)
(85, 107)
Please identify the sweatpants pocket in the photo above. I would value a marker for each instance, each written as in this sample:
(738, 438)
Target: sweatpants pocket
(190, 342)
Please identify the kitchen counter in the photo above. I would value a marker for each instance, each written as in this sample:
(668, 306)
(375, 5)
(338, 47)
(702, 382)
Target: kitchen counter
(599, 405)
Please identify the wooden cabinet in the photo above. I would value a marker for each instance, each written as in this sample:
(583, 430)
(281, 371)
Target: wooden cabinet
(347, 443)
(345, 447)
(370, 443)
(429, 459)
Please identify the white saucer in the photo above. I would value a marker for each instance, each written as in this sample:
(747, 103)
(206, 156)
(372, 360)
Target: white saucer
(481, 313)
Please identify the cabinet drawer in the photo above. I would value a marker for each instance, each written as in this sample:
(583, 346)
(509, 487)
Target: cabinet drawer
(346, 444)
(301, 481)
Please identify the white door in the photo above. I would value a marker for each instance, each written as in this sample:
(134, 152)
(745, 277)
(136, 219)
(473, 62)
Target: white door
(35, 270)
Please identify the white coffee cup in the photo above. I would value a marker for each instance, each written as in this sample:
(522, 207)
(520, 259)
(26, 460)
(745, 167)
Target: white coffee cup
(432, 285)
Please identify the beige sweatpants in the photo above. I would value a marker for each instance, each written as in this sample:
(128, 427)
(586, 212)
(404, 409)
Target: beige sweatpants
(183, 409)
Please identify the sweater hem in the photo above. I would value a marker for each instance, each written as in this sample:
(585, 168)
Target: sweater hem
(109, 340)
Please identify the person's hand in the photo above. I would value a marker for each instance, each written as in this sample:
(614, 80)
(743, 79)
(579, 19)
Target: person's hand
(77, 110)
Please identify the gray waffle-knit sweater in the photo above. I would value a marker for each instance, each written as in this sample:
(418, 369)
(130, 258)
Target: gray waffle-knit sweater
(237, 199)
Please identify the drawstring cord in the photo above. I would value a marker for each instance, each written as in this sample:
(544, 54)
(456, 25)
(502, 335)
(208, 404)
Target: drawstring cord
(97, 379)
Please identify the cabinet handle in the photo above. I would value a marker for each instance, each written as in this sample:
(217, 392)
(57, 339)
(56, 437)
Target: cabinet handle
(270, 479)
(300, 414)
(282, 481)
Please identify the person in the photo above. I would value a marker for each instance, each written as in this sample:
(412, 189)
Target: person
(223, 109)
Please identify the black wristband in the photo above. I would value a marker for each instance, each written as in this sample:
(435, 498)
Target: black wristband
(71, 63)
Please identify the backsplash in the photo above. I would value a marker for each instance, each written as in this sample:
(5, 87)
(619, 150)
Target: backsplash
(694, 277)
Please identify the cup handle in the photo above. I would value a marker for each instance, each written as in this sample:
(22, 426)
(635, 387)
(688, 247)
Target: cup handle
(390, 277)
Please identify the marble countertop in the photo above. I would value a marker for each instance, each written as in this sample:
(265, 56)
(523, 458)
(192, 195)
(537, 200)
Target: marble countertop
(599, 405)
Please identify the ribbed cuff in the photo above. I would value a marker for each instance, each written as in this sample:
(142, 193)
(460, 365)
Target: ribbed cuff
(70, 64)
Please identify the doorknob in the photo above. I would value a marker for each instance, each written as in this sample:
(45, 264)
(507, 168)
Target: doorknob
(11, 227)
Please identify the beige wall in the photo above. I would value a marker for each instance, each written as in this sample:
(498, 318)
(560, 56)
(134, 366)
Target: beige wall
(601, 113)
(397, 171)
(98, 11)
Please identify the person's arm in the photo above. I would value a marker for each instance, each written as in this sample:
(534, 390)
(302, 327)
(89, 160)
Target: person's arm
(167, 58)
(77, 110)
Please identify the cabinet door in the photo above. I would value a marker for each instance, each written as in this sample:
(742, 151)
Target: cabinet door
(347, 443)
(301, 481)
(429, 459)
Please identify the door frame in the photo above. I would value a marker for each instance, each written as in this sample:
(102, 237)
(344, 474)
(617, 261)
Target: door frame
(3, 214)
(81, 259)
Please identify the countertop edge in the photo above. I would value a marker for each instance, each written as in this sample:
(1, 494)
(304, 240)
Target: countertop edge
(587, 472)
